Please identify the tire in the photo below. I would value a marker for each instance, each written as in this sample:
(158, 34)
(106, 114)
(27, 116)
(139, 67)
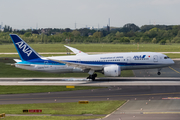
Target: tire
(93, 78)
(95, 75)
(159, 73)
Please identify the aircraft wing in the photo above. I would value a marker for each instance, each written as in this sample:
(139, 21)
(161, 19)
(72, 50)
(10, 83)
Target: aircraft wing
(79, 65)
(76, 51)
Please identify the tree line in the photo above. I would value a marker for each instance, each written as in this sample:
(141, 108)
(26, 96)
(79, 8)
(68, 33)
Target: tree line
(129, 33)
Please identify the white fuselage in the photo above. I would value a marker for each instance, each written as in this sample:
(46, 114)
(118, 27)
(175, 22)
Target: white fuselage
(127, 61)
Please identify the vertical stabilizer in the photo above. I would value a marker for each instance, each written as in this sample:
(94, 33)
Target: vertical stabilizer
(24, 50)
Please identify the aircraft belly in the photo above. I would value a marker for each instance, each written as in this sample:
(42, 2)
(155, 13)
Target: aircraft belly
(25, 67)
(54, 69)
(50, 68)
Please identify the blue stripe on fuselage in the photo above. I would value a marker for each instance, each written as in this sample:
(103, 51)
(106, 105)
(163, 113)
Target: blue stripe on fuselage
(110, 63)
(40, 61)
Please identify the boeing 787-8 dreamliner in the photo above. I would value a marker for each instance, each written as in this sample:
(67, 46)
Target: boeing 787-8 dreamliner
(110, 64)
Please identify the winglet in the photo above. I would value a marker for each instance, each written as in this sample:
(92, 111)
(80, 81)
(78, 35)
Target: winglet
(76, 51)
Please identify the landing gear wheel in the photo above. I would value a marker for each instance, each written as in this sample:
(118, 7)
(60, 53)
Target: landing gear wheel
(159, 73)
(93, 76)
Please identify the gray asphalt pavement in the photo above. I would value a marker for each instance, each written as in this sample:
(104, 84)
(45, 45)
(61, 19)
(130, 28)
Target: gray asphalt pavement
(145, 117)
(147, 110)
(171, 71)
(138, 95)
(110, 93)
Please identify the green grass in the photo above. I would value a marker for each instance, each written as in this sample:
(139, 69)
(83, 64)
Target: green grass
(51, 117)
(173, 55)
(40, 89)
(127, 73)
(98, 48)
(71, 108)
(9, 71)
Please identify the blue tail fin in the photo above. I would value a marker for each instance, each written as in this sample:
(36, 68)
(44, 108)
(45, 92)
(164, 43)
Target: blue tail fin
(24, 50)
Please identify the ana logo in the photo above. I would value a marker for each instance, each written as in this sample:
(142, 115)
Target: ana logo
(24, 48)
(140, 57)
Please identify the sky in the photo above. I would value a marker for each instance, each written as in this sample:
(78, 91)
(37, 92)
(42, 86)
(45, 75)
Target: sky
(25, 14)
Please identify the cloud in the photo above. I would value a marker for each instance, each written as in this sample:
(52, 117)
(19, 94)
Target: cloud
(165, 2)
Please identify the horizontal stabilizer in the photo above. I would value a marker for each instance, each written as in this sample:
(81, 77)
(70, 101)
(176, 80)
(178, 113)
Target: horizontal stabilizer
(76, 51)
(17, 60)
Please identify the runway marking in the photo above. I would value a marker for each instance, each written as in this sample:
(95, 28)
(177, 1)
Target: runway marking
(91, 96)
(171, 98)
(174, 70)
(161, 112)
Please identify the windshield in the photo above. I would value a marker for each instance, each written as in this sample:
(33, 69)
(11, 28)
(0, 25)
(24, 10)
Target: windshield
(166, 57)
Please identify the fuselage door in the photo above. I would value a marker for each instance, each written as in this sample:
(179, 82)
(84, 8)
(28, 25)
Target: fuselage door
(128, 59)
(155, 58)
(45, 64)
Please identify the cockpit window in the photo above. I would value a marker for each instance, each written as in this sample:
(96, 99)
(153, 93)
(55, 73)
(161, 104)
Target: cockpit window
(166, 57)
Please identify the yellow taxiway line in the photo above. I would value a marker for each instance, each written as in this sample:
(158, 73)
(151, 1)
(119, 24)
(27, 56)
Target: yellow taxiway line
(174, 70)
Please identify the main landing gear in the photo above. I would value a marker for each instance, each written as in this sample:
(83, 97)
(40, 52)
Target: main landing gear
(159, 73)
(93, 76)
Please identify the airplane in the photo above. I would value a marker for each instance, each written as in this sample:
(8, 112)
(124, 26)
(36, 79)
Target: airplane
(110, 64)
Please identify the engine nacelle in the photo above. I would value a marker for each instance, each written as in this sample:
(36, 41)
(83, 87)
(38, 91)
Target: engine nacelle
(112, 71)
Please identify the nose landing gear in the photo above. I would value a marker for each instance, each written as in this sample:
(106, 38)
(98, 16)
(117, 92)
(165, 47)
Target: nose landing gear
(159, 73)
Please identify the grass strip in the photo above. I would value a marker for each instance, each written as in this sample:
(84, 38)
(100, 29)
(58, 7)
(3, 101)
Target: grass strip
(9, 71)
(98, 47)
(127, 73)
(71, 108)
(51, 117)
(40, 89)
(171, 55)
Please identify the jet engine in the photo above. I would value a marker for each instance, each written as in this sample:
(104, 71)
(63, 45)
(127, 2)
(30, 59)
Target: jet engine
(112, 71)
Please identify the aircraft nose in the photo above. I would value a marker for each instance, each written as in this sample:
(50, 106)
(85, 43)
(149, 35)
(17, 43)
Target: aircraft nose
(171, 62)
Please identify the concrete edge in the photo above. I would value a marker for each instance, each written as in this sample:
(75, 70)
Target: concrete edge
(113, 111)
